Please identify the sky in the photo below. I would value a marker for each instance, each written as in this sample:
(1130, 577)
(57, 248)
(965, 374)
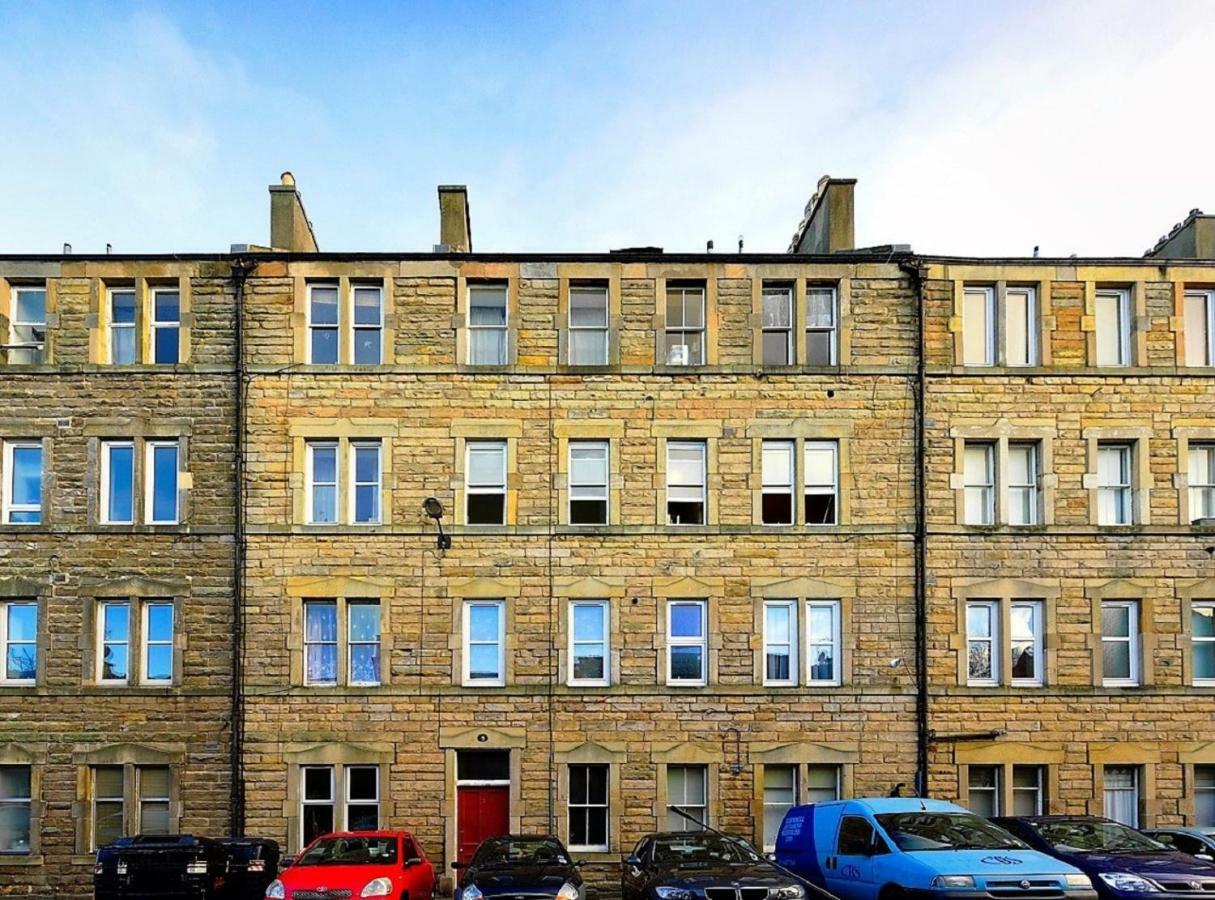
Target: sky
(973, 128)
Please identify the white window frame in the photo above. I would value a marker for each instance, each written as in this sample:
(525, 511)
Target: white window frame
(832, 330)
(995, 789)
(1123, 491)
(1201, 639)
(822, 490)
(605, 806)
(1131, 639)
(605, 495)
(1136, 790)
(6, 642)
(987, 295)
(604, 329)
(1203, 786)
(107, 498)
(769, 846)
(149, 449)
(504, 328)
(785, 293)
(1123, 346)
(311, 484)
(338, 823)
(146, 644)
(355, 288)
(773, 487)
(992, 638)
(689, 809)
(1037, 630)
(836, 771)
(10, 484)
(702, 447)
(1200, 349)
(354, 484)
(467, 679)
(1031, 325)
(335, 643)
(101, 642)
(604, 608)
(38, 347)
(142, 799)
(1038, 790)
(351, 643)
(790, 644)
(312, 327)
(683, 641)
(155, 324)
(24, 803)
(95, 798)
(349, 801)
(1200, 483)
(670, 329)
(1033, 487)
(986, 487)
(813, 641)
(498, 489)
(133, 327)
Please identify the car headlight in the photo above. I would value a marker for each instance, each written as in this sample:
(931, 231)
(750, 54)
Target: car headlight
(567, 892)
(1078, 880)
(472, 892)
(1129, 882)
(275, 890)
(377, 887)
(789, 892)
(674, 893)
(954, 881)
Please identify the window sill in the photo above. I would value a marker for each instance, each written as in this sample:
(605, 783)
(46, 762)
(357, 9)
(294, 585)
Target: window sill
(20, 859)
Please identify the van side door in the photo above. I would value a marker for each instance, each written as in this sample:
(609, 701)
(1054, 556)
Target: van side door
(849, 869)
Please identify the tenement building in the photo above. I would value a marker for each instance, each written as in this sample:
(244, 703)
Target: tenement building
(466, 543)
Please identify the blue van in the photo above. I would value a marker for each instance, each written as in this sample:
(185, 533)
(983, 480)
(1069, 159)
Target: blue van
(905, 848)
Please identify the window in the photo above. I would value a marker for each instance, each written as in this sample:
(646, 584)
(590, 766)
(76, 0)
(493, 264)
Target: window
(588, 482)
(487, 327)
(983, 792)
(822, 482)
(823, 782)
(823, 641)
(121, 302)
(1025, 627)
(687, 790)
(323, 324)
(485, 496)
(780, 796)
(23, 482)
(777, 327)
(982, 642)
(114, 642)
(979, 326)
(27, 330)
(1028, 791)
(1021, 326)
(856, 837)
(153, 786)
(979, 461)
(1115, 499)
(317, 814)
(685, 330)
(822, 323)
(1204, 796)
(118, 482)
(1200, 328)
(1120, 642)
(166, 326)
(109, 804)
(588, 807)
(1023, 494)
(362, 798)
(19, 641)
(1202, 481)
(322, 477)
(687, 642)
(320, 642)
(589, 659)
(368, 324)
(162, 482)
(365, 487)
(686, 482)
(16, 804)
(1202, 629)
(363, 642)
(588, 325)
(157, 643)
(1122, 794)
(780, 642)
(776, 500)
(153, 802)
(484, 640)
(1113, 328)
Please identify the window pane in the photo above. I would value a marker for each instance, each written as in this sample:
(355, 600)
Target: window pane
(154, 818)
(483, 661)
(321, 622)
(588, 348)
(116, 624)
(1197, 338)
(976, 327)
(154, 782)
(687, 620)
(588, 622)
(487, 306)
(486, 509)
(777, 463)
(483, 623)
(778, 625)
(318, 820)
(164, 483)
(819, 348)
(318, 783)
(23, 622)
(1020, 323)
(588, 307)
(324, 346)
(685, 464)
(979, 660)
(978, 621)
(121, 461)
(588, 463)
(165, 346)
(487, 347)
(687, 663)
(122, 308)
(1115, 620)
(366, 306)
(31, 305)
(778, 308)
(27, 476)
(14, 783)
(364, 621)
(820, 308)
(483, 765)
(1111, 330)
(822, 783)
(367, 464)
(108, 825)
(363, 783)
(776, 348)
(486, 465)
(1116, 659)
(324, 304)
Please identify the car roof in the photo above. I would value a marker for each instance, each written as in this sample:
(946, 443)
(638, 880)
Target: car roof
(365, 834)
(1055, 818)
(522, 837)
(880, 805)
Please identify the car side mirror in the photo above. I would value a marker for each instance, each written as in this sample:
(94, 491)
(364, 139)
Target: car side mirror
(635, 862)
(770, 857)
(413, 861)
(287, 862)
(457, 865)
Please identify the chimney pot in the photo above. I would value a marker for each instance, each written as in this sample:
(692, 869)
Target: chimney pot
(287, 179)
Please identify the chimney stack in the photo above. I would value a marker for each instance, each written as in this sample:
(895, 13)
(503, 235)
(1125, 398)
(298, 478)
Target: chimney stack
(828, 224)
(455, 225)
(289, 226)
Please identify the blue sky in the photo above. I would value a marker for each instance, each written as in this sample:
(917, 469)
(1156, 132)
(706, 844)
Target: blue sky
(1082, 127)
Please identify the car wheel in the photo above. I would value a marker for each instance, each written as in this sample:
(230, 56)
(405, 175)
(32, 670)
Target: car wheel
(892, 892)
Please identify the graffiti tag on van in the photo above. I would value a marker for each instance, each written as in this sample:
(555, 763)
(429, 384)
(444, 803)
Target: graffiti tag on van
(1001, 860)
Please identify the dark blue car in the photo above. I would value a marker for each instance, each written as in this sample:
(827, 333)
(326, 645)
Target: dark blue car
(1122, 862)
(517, 866)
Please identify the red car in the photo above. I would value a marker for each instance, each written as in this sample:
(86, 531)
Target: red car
(357, 864)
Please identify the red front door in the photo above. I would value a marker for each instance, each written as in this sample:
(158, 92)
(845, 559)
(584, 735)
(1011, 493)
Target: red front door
(481, 812)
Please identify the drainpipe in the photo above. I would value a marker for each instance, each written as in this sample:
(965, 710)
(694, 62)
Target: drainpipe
(921, 541)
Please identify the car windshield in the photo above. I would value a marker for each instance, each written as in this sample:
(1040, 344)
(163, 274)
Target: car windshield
(702, 850)
(520, 852)
(1090, 836)
(350, 851)
(946, 831)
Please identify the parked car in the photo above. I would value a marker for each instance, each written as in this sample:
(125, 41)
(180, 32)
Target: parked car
(178, 866)
(252, 864)
(1198, 842)
(705, 865)
(889, 848)
(357, 864)
(520, 865)
(1121, 861)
